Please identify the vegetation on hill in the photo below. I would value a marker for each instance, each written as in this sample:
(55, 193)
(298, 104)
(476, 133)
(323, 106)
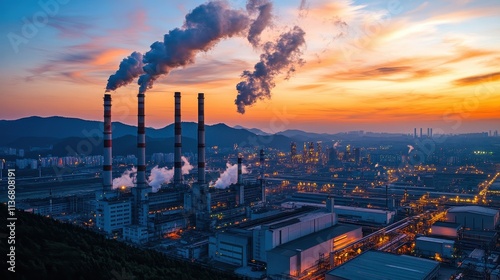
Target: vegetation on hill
(48, 249)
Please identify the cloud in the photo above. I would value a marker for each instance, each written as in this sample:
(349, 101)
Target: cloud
(84, 62)
(478, 79)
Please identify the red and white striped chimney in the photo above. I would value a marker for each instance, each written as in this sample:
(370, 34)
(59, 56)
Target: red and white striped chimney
(201, 138)
(178, 140)
(141, 143)
(107, 168)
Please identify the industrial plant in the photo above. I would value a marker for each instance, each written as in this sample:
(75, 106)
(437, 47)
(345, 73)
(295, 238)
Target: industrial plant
(343, 210)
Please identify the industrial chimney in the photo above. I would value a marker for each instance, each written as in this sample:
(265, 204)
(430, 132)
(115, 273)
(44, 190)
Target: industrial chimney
(240, 187)
(262, 184)
(107, 169)
(201, 139)
(141, 143)
(240, 177)
(178, 140)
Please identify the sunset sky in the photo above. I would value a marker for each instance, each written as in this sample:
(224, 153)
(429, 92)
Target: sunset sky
(383, 65)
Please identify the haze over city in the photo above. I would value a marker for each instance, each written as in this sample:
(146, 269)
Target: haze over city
(384, 66)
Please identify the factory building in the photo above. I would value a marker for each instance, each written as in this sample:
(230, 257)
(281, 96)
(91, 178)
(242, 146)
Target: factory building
(289, 242)
(474, 217)
(346, 200)
(177, 205)
(113, 214)
(295, 257)
(434, 247)
(446, 229)
(376, 265)
(252, 240)
(352, 214)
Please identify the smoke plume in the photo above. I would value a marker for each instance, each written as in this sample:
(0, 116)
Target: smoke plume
(129, 69)
(126, 180)
(279, 56)
(264, 7)
(203, 28)
(230, 176)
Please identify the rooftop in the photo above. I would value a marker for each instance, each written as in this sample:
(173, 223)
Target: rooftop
(447, 225)
(377, 265)
(313, 239)
(474, 210)
(435, 240)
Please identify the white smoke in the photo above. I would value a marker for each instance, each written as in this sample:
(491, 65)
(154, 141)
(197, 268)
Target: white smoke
(336, 144)
(411, 149)
(157, 177)
(160, 176)
(164, 175)
(186, 167)
(230, 176)
(126, 180)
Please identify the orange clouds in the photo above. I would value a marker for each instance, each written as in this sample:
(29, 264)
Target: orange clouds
(473, 80)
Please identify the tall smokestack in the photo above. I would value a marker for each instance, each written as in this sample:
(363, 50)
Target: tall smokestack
(415, 132)
(262, 185)
(420, 132)
(431, 132)
(262, 164)
(201, 138)
(107, 169)
(178, 140)
(141, 143)
(240, 177)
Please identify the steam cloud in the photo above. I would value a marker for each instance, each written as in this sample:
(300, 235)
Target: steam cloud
(203, 28)
(157, 177)
(126, 180)
(229, 176)
(284, 54)
(410, 149)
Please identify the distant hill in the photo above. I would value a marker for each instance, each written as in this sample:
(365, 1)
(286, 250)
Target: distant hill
(68, 135)
(255, 131)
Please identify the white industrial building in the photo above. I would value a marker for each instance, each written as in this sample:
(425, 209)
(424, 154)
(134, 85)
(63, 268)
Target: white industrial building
(289, 242)
(294, 257)
(474, 217)
(113, 214)
(268, 236)
(429, 247)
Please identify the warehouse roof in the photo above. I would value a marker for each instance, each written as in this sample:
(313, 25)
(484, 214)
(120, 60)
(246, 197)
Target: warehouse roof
(313, 239)
(435, 240)
(447, 225)
(377, 265)
(474, 210)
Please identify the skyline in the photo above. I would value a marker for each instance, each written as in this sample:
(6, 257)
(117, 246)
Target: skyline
(355, 76)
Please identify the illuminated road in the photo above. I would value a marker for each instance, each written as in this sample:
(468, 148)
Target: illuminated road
(484, 187)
